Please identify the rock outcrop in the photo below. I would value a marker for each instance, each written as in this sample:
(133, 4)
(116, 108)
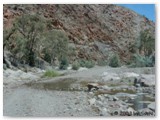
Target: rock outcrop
(96, 31)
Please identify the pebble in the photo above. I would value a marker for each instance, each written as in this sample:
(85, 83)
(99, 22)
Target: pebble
(99, 103)
(100, 97)
(69, 107)
(92, 101)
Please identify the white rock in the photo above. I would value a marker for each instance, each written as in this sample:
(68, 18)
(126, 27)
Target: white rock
(115, 98)
(82, 69)
(108, 76)
(92, 101)
(130, 110)
(152, 106)
(100, 97)
(104, 112)
(148, 79)
(13, 76)
(130, 74)
(69, 68)
(106, 95)
(91, 93)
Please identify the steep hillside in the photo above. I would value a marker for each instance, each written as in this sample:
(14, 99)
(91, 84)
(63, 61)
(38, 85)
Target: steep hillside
(94, 31)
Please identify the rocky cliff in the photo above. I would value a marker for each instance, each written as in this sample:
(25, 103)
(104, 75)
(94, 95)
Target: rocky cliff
(94, 31)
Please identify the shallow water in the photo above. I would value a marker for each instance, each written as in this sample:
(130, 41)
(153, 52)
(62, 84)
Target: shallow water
(141, 101)
(138, 100)
(60, 85)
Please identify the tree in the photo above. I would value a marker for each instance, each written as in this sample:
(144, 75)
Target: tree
(32, 37)
(57, 45)
(7, 33)
(143, 50)
(29, 30)
(146, 43)
(114, 61)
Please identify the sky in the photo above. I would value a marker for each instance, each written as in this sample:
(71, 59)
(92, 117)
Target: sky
(148, 10)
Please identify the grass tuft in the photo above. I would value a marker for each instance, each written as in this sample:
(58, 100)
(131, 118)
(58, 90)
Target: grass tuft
(51, 73)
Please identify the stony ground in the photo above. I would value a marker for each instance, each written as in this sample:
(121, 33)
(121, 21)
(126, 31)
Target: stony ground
(28, 94)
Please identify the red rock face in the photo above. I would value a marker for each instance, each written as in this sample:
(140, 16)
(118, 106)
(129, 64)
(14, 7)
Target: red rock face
(116, 28)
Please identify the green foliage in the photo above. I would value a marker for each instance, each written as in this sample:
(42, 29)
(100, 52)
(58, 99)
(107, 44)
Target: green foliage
(86, 63)
(56, 42)
(89, 64)
(32, 38)
(28, 30)
(63, 63)
(82, 63)
(102, 62)
(114, 61)
(75, 66)
(51, 73)
(144, 43)
(143, 50)
(141, 61)
(47, 56)
(7, 34)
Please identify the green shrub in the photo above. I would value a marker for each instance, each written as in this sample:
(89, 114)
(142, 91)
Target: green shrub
(89, 64)
(51, 73)
(47, 56)
(141, 61)
(114, 61)
(63, 63)
(29, 30)
(102, 62)
(75, 66)
(82, 63)
(86, 63)
(56, 45)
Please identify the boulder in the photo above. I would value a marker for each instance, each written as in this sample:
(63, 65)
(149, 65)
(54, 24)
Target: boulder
(152, 106)
(148, 79)
(109, 76)
(82, 69)
(104, 112)
(115, 98)
(130, 110)
(130, 74)
(92, 86)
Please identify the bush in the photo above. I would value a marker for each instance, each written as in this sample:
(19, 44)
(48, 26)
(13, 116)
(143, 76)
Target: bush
(114, 61)
(141, 61)
(63, 63)
(56, 45)
(147, 42)
(86, 63)
(89, 64)
(102, 63)
(82, 63)
(51, 73)
(47, 56)
(75, 66)
(28, 31)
